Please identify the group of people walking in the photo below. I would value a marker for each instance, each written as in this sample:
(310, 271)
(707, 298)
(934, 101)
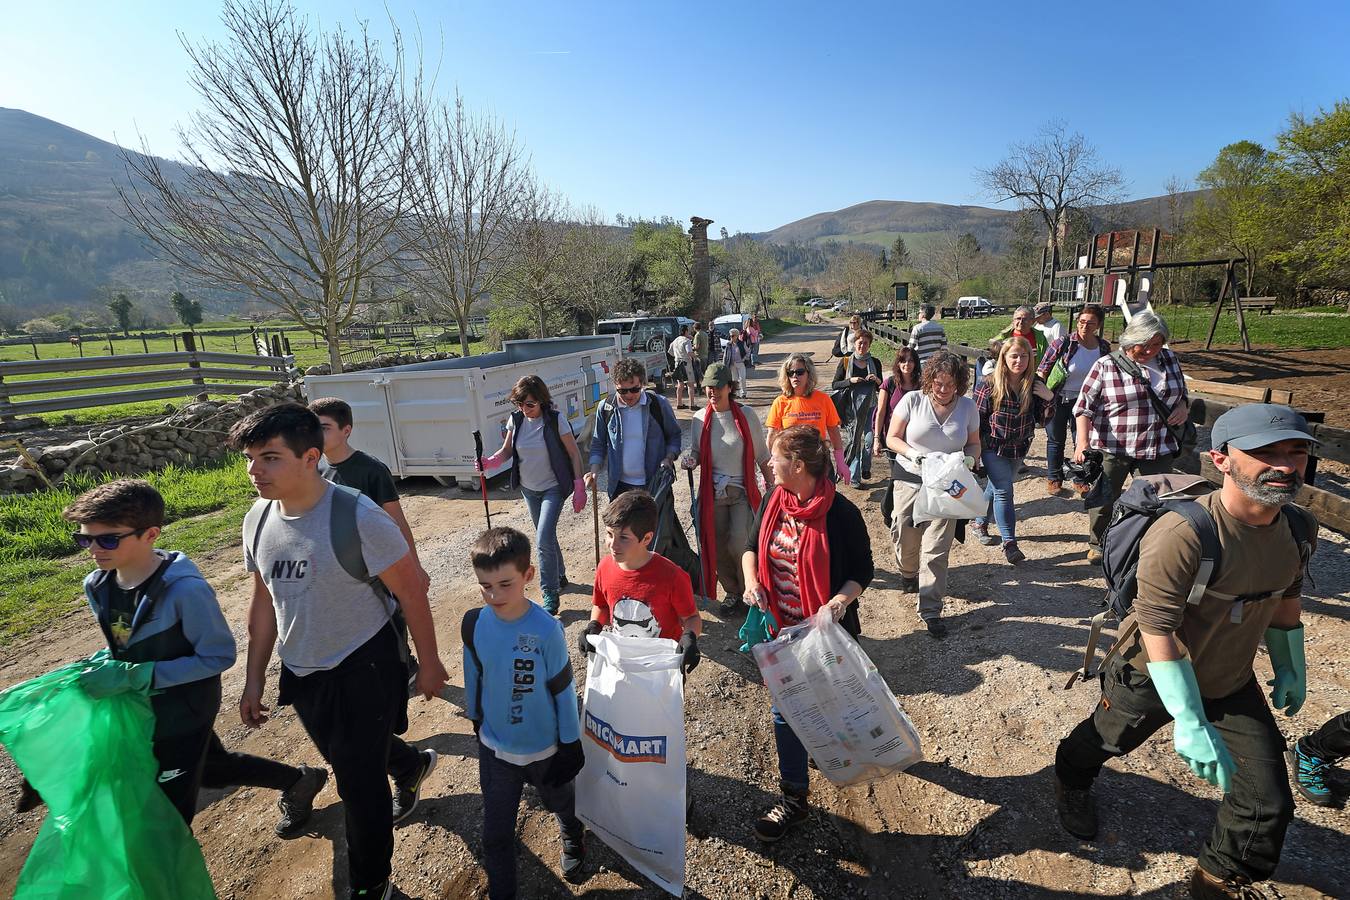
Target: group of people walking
(775, 532)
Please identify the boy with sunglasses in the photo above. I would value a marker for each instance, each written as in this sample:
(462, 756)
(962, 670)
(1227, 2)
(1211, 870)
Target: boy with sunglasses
(163, 626)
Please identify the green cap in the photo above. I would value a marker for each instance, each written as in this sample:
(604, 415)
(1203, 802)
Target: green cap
(717, 375)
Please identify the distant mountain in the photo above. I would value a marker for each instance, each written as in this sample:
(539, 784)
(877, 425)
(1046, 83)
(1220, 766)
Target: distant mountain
(878, 222)
(61, 240)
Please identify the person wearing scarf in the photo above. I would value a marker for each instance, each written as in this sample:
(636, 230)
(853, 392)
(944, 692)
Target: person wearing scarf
(809, 549)
(727, 445)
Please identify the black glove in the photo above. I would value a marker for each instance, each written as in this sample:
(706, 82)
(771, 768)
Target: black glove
(583, 645)
(689, 652)
(567, 762)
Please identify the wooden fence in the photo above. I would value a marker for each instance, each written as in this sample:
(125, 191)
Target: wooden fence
(189, 369)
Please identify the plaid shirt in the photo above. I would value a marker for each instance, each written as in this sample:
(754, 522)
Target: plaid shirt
(1066, 347)
(1124, 422)
(1007, 431)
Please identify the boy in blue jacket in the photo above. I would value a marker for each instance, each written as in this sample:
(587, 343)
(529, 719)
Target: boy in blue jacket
(168, 637)
(523, 705)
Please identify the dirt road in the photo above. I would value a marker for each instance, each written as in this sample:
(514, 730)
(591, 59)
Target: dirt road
(975, 819)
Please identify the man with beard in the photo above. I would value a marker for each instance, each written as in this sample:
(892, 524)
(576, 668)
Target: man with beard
(1191, 662)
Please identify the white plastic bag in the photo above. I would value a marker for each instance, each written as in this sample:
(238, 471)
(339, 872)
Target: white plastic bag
(631, 791)
(837, 703)
(950, 490)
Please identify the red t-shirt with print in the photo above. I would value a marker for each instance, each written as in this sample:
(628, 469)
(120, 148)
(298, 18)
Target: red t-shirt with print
(660, 584)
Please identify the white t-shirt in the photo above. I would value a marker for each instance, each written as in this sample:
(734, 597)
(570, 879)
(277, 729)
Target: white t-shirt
(925, 433)
(1078, 367)
(682, 348)
(634, 449)
(1052, 329)
(536, 471)
(1157, 378)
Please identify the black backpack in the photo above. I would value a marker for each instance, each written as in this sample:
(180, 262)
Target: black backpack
(467, 625)
(1148, 499)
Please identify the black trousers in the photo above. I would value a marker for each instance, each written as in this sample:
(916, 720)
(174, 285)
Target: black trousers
(182, 758)
(1249, 832)
(1332, 740)
(351, 713)
(501, 784)
(225, 768)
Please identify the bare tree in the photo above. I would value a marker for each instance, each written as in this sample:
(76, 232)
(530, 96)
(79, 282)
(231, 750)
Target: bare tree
(596, 264)
(1054, 173)
(468, 176)
(952, 257)
(535, 277)
(297, 164)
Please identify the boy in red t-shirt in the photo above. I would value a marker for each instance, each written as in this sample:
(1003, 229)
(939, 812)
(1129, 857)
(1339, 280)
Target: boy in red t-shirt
(633, 572)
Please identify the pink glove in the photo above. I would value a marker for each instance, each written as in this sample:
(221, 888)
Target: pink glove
(488, 463)
(578, 495)
(841, 466)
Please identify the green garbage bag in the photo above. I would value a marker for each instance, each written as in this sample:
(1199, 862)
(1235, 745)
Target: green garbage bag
(110, 832)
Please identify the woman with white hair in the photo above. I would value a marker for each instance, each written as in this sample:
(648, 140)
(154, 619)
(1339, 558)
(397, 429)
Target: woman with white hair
(734, 356)
(1133, 407)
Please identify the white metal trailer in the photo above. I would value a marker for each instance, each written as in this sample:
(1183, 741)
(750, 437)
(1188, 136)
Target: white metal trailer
(419, 419)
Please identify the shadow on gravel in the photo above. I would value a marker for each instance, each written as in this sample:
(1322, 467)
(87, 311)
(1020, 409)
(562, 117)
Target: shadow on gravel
(1140, 818)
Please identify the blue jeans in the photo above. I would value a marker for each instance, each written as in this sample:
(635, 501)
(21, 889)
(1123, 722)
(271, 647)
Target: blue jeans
(754, 353)
(545, 507)
(861, 465)
(1058, 433)
(792, 755)
(999, 490)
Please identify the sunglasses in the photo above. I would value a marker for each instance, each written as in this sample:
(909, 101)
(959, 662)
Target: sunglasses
(527, 404)
(106, 541)
(631, 390)
(796, 373)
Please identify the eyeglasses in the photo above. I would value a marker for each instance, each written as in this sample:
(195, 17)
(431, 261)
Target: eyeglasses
(630, 390)
(527, 404)
(106, 541)
(796, 373)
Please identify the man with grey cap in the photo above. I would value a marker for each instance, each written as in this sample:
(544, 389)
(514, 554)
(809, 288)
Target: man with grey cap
(1047, 324)
(1191, 662)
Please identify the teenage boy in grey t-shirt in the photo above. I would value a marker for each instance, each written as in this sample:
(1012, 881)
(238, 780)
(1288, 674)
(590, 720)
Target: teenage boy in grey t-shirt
(340, 652)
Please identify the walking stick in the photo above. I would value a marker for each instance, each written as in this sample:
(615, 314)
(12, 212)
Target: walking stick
(698, 539)
(595, 519)
(482, 475)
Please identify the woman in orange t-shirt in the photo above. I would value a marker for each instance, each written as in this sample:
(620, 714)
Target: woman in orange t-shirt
(801, 404)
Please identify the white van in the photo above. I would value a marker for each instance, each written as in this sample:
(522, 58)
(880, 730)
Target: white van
(963, 302)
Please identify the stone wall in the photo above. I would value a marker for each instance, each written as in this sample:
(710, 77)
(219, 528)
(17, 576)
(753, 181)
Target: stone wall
(193, 435)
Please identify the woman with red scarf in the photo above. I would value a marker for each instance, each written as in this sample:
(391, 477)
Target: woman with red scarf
(727, 444)
(809, 549)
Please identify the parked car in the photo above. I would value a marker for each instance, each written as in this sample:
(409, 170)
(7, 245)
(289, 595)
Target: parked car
(817, 301)
(647, 338)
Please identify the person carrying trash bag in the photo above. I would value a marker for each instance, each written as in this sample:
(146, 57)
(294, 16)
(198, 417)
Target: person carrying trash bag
(809, 550)
(1214, 578)
(726, 446)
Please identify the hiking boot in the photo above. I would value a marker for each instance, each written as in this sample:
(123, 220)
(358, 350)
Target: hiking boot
(909, 584)
(382, 891)
(1309, 774)
(1094, 556)
(983, 535)
(1081, 487)
(1077, 810)
(778, 821)
(408, 791)
(936, 628)
(29, 798)
(297, 801)
(731, 606)
(1054, 487)
(1012, 554)
(573, 858)
(1205, 886)
(551, 603)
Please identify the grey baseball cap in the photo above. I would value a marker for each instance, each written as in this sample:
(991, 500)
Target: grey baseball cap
(1256, 425)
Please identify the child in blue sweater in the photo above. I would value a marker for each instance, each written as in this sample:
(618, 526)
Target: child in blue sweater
(523, 705)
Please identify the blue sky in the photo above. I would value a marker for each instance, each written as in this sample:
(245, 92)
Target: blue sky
(756, 114)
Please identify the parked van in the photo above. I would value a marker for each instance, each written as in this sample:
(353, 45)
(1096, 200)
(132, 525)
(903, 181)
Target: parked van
(648, 339)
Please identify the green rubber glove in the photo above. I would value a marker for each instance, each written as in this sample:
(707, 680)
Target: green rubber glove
(1289, 687)
(108, 677)
(1196, 740)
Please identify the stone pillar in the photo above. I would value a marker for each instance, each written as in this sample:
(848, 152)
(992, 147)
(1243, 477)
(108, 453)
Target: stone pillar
(698, 236)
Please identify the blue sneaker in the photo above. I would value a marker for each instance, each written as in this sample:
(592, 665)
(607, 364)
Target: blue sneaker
(551, 603)
(1309, 774)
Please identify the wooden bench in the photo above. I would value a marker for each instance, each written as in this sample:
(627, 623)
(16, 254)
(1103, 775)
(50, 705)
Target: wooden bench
(1262, 306)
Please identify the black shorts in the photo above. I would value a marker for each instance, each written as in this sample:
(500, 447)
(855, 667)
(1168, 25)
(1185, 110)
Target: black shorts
(682, 372)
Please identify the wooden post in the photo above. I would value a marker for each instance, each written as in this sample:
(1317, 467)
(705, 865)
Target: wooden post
(80, 347)
(1241, 317)
(111, 351)
(1218, 306)
(194, 366)
(175, 343)
(234, 339)
(33, 341)
(145, 345)
(5, 414)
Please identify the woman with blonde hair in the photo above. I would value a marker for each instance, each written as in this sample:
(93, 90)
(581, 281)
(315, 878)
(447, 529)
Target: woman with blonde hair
(1011, 403)
(801, 404)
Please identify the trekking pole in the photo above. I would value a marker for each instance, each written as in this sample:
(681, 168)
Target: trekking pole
(482, 475)
(595, 519)
(697, 537)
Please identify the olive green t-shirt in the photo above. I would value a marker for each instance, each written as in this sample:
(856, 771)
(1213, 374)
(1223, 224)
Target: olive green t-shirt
(1255, 560)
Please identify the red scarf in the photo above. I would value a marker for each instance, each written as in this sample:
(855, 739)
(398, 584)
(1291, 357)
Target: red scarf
(707, 544)
(813, 547)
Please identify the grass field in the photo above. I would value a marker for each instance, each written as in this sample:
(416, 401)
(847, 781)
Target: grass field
(41, 570)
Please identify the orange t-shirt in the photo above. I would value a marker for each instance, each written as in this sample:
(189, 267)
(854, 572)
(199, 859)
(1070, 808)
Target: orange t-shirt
(816, 410)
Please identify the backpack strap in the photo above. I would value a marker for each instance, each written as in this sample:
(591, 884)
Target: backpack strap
(559, 683)
(655, 408)
(467, 625)
(253, 526)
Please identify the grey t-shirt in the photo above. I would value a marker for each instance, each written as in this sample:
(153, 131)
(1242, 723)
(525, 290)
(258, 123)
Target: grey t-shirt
(536, 471)
(323, 614)
(925, 433)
